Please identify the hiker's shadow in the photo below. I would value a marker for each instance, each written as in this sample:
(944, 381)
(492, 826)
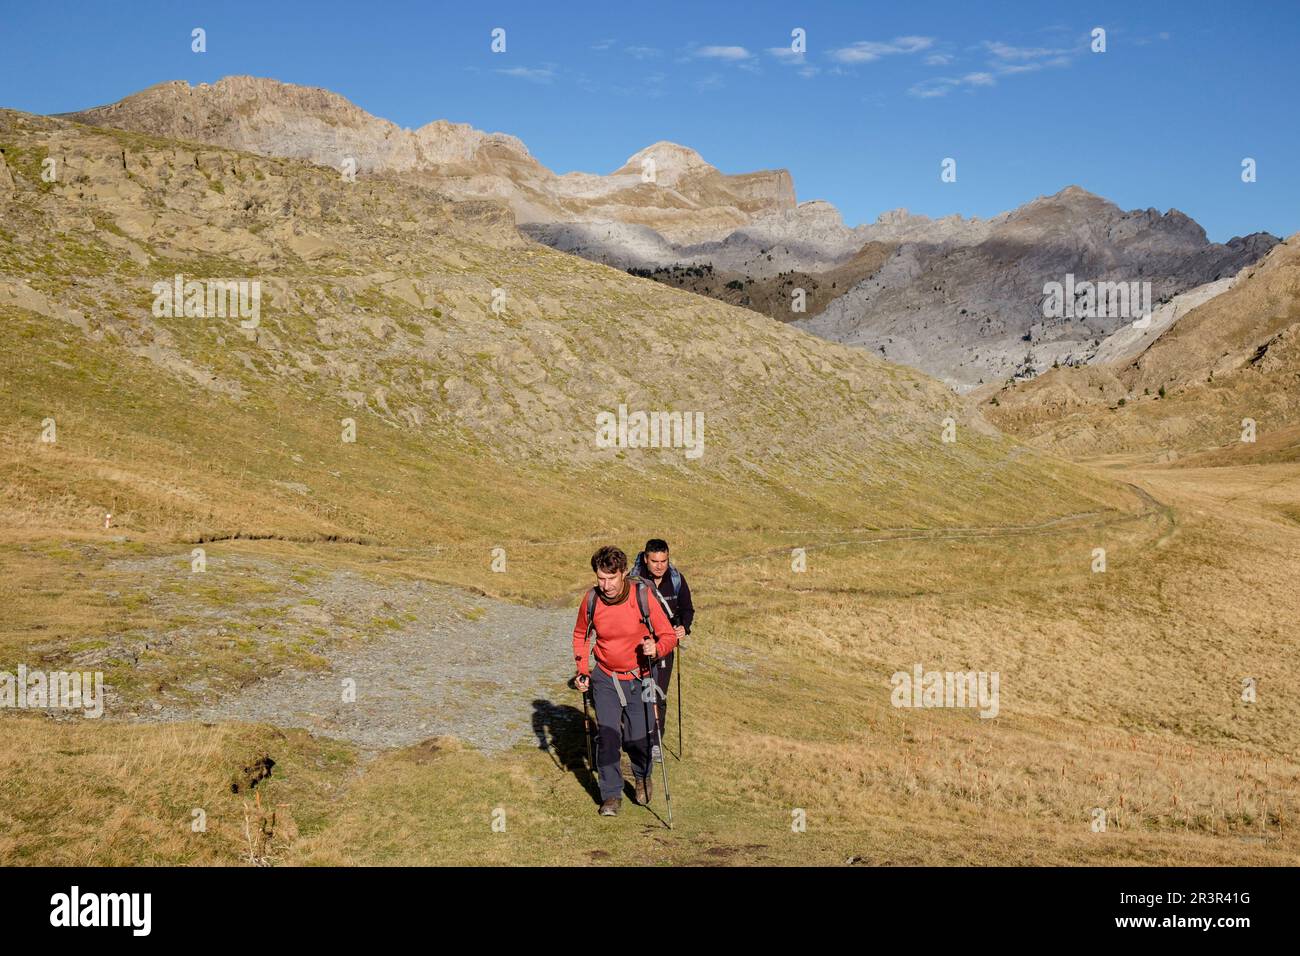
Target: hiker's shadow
(561, 732)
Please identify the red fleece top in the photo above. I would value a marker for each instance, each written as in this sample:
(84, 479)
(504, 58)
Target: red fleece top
(619, 633)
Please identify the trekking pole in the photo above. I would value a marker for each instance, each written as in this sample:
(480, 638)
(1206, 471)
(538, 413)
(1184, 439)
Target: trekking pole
(681, 741)
(586, 729)
(659, 739)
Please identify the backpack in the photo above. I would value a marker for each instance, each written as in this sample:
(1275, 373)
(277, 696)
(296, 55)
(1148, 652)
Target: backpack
(638, 571)
(642, 602)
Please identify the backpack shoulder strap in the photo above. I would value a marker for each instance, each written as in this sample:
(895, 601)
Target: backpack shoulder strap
(591, 614)
(677, 578)
(643, 602)
(659, 596)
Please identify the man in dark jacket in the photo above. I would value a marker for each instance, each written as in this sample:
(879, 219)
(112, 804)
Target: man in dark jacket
(653, 565)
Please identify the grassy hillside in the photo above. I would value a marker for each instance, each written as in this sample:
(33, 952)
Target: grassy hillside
(474, 428)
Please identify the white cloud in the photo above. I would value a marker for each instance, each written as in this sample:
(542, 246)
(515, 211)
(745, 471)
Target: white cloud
(942, 86)
(724, 52)
(931, 88)
(1147, 41)
(1005, 51)
(1007, 60)
(867, 51)
(786, 55)
(1009, 68)
(533, 76)
(938, 59)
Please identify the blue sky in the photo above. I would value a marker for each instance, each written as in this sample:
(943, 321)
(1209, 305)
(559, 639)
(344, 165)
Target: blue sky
(863, 119)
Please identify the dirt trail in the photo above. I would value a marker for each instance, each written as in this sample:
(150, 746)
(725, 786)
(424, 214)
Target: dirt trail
(1062, 523)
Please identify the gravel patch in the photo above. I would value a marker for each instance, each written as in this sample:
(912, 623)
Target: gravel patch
(388, 662)
(470, 667)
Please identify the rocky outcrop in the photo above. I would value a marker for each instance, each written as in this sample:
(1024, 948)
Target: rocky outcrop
(280, 119)
(6, 177)
(1132, 339)
(1221, 373)
(966, 300)
(665, 186)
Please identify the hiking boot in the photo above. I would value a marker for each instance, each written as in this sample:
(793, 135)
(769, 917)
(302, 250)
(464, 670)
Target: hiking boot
(644, 791)
(610, 807)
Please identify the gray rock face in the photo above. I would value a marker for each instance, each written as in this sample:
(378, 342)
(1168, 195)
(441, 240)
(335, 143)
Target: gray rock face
(962, 299)
(810, 237)
(619, 244)
(899, 225)
(1130, 341)
(971, 308)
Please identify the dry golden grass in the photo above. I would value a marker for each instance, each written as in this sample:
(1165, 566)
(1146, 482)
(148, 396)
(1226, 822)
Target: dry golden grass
(1119, 691)
(76, 794)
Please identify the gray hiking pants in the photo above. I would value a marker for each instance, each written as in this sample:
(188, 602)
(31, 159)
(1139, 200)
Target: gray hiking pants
(621, 724)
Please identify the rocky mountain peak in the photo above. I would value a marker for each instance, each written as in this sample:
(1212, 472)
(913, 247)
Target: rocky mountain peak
(899, 217)
(1074, 192)
(670, 159)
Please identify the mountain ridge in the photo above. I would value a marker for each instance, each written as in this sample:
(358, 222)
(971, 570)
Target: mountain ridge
(272, 118)
(958, 298)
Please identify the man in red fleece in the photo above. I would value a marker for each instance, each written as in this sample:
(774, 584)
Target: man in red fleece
(622, 685)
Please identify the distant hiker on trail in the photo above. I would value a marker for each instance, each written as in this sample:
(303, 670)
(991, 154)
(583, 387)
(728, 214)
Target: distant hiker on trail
(652, 565)
(620, 617)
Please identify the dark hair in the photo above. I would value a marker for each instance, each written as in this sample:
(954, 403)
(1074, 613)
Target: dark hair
(655, 545)
(609, 559)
